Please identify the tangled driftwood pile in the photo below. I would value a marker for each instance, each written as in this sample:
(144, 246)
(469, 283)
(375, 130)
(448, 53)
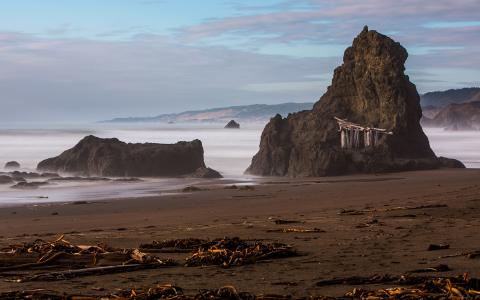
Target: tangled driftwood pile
(224, 252)
(460, 287)
(69, 260)
(235, 252)
(60, 259)
(37, 259)
(178, 245)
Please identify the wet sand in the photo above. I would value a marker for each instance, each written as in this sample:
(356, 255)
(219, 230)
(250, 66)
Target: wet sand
(387, 224)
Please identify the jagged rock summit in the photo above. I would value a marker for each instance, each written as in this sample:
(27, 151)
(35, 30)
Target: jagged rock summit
(370, 88)
(94, 156)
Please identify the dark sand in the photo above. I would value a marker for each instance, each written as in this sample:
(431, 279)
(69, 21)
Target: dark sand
(385, 241)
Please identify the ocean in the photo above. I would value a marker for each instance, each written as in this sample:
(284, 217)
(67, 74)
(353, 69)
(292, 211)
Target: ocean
(228, 151)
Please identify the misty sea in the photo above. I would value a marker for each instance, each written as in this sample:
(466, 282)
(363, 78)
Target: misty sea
(227, 150)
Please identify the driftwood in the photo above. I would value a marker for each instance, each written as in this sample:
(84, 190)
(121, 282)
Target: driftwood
(71, 260)
(280, 221)
(439, 268)
(234, 252)
(296, 230)
(460, 287)
(68, 274)
(434, 247)
(353, 212)
(179, 244)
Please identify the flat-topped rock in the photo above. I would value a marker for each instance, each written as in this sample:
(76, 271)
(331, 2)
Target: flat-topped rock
(94, 156)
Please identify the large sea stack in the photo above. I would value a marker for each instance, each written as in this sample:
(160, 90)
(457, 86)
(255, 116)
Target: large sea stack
(370, 88)
(94, 156)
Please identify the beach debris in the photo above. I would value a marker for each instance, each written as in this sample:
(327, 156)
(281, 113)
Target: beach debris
(231, 187)
(228, 252)
(460, 287)
(439, 268)
(247, 188)
(434, 247)
(473, 254)
(354, 212)
(174, 246)
(69, 260)
(297, 230)
(68, 274)
(359, 280)
(280, 221)
(81, 202)
(409, 216)
(72, 260)
(240, 188)
(469, 254)
(191, 188)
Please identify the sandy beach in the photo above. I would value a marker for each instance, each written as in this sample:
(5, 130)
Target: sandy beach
(361, 225)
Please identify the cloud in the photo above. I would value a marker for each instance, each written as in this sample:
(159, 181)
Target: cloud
(327, 22)
(80, 79)
(295, 86)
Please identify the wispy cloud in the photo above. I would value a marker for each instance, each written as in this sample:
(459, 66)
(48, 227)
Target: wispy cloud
(94, 79)
(336, 21)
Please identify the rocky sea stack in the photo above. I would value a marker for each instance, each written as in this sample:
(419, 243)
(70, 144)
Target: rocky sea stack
(370, 88)
(13, 165)
(232, 125)
(94, 156)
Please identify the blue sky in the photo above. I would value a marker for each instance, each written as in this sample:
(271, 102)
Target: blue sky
(58, 58)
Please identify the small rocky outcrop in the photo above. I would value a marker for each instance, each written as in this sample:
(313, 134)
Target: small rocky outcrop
(206, 173)
(232, 125)
(13, 165)
(5, 179)
(23, 185)
(94, 156)
(369, 88)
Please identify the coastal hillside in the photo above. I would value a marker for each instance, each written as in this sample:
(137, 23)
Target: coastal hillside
(251, 113)
(461, 116)
(444, 98)
(452, 109)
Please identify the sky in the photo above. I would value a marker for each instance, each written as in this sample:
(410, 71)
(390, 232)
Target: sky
(88, 60)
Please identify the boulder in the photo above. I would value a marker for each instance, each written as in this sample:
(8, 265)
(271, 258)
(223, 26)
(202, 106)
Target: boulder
(206, 173)
(12, 165)
(94, 156)
(370, 88)
(232, 125)
(23, 185)
(29, 175)
(5, 179)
